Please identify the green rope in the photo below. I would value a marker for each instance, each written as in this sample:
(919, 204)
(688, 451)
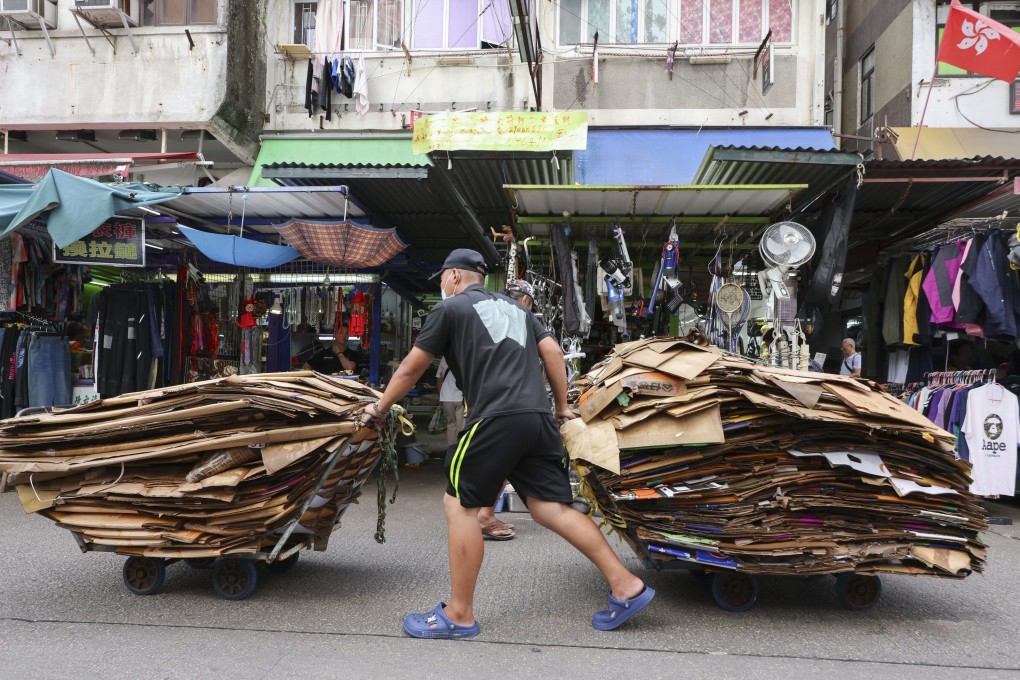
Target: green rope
(387, 466)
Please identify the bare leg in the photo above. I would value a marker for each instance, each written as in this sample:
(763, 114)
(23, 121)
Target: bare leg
(582, 533)
(466, 549)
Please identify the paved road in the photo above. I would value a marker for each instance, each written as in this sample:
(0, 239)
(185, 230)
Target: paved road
(337, 615)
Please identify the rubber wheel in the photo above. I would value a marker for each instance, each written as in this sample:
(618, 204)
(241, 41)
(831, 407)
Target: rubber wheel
(734, 592)
(200, 562)
(144, 575)
(234, 579)
(858, 592)
(283, 566)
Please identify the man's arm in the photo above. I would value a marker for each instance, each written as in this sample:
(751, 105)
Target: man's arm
(405, 377)
(556, 373)
(856, 373)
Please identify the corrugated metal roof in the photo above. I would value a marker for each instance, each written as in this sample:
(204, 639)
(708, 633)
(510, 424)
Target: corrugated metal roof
(819, 170)
(258, 203)
(666, 201)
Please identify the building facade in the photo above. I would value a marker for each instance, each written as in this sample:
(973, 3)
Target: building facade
(880, 66)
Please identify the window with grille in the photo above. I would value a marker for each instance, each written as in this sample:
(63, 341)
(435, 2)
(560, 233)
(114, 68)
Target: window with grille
(691, 22)
(304, 23)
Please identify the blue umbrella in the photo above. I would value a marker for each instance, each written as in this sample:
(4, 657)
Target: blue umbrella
(242, 252)
(74, 206)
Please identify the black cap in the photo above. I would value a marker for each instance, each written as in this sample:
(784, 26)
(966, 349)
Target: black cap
(463, 258)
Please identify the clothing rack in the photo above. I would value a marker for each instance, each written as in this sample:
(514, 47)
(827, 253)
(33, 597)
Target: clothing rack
(936, 378)
(29, 318)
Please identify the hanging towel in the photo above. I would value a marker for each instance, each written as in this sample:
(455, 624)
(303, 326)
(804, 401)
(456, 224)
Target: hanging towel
(361, 88)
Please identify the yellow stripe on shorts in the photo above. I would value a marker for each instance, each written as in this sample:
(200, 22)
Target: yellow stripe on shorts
(458, 457)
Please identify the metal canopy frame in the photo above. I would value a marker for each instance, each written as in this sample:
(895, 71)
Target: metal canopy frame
(79, 14)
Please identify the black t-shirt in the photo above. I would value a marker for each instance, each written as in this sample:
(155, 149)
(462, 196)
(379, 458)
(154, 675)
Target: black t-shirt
(491, 345)
(328, 362)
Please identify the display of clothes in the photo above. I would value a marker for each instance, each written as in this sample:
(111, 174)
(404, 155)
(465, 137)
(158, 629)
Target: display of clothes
(35, 368)
(138, 332)
(30, 280)
(971, 287)
(985, 417)
(961, 286)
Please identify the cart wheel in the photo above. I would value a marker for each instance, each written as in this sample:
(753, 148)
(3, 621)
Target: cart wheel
(858, 592)
(234, 579)
(144, 575)
(283, 566)
(200, 562)
(734, 592)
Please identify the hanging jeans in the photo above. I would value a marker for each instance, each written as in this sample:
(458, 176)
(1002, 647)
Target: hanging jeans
(21, 370)
(49, 365)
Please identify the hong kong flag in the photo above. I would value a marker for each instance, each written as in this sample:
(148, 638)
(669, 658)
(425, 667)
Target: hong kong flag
(974, 42)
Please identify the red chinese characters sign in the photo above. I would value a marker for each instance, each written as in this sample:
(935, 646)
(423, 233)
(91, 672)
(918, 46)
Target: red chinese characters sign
(119, 242)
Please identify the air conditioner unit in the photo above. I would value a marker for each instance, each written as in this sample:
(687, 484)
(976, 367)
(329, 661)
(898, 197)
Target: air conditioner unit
(29, 12)
(107, 13)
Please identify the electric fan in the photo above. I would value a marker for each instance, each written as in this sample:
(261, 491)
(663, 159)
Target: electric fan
(785, 246)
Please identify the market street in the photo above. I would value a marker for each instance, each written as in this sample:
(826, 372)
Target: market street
(337, 614)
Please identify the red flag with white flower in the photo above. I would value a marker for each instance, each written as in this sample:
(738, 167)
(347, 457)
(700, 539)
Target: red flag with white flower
(974, 42)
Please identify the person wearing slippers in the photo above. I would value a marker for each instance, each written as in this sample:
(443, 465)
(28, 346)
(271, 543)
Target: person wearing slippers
(495, 347)
(452, 401)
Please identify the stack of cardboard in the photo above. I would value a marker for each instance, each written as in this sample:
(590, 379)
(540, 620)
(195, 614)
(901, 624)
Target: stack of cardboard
(197, 470)
(702, 456)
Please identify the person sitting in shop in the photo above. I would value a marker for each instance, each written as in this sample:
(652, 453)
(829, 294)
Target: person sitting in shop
(78, 336)
(851, 364)
(961, 356)
(337, 359)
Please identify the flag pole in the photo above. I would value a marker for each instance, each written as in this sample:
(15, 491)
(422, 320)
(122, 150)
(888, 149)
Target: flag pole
(920, 123)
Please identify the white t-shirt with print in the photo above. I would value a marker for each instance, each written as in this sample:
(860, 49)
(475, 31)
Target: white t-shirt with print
(991, 427)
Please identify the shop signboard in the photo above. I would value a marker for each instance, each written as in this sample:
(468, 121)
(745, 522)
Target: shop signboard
(506, 131)
(119, 241)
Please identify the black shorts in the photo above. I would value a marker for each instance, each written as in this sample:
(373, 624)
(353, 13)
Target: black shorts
(525, 448)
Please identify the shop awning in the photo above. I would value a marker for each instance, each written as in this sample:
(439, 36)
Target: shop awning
(555, 202)
(953, 143)
(72, 206)
(33, 166)
(325, 151)
(672, 156)
(820, 170)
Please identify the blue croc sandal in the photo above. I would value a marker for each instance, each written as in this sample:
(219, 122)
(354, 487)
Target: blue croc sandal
(621, 610)
(435, 624)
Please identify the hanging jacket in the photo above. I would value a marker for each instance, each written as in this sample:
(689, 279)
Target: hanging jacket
(939, 281)
(923, 317)
(910, 295)
(895, 292)
(996, 284)
(971, 308)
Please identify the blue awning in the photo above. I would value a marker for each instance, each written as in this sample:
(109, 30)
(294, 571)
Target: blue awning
(636, 157)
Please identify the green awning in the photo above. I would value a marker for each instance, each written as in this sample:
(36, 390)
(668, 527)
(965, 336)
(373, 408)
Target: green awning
(309, 150)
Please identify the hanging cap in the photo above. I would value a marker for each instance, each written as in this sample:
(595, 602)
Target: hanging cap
(463, 258)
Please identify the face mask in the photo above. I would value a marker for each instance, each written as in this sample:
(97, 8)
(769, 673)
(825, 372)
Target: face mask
(442, 292)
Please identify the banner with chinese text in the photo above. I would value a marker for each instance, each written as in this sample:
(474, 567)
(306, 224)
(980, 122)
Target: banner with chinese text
(505, 131)
(120, 241)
